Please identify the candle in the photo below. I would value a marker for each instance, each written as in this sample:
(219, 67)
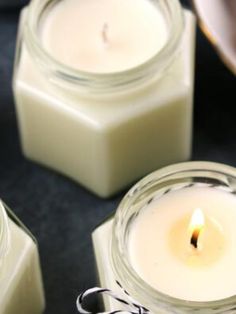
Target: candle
(105, 44)
(171, 243)
(21, 289)
(97, 85)
(165, 243)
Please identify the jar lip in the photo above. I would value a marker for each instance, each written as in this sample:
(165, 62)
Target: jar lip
(130, 274)
(156, 64)
(4, 231)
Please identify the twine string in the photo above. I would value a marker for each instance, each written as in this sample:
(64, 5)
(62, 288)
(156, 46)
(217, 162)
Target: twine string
(133, 307)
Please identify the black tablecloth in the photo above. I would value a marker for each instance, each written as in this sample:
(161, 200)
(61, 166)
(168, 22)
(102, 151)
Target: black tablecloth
(60, 213)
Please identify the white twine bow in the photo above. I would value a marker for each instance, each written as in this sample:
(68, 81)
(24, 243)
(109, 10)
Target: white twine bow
(133, 306)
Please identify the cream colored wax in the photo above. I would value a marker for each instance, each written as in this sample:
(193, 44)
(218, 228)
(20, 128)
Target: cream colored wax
(112, 42)
(21, 289)
(161, 252)
(105, 140)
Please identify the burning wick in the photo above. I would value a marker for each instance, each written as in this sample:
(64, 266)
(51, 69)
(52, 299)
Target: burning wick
(194, 238)
(104, 33)
(196, 226)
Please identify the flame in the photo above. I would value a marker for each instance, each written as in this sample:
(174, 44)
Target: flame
(196, 225)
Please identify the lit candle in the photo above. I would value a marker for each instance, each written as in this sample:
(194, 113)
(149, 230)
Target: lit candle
(183, 244)
(173, 238)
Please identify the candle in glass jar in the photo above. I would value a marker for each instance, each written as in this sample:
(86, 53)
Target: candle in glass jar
(21, 288)
(122, 35)
(98, 83)
(183, 244)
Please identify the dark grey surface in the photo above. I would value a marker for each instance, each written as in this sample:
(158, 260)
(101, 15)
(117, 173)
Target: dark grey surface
(9, 5)
(62, 214)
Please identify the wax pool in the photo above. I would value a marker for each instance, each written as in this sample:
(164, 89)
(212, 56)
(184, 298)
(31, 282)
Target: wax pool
(161, 252)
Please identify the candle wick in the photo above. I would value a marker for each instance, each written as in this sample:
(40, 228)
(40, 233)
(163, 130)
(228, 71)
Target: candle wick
(104, 33)
(194, 239)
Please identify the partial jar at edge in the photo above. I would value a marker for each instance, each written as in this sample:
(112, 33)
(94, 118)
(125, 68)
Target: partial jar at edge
(21, 288)
(106, 130)
(110, 239)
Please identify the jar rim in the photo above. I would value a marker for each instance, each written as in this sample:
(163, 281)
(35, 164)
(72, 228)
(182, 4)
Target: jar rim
(4, 231)
(156, 64)
(125, 266)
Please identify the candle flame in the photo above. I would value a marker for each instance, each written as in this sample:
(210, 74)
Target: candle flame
(196, 225)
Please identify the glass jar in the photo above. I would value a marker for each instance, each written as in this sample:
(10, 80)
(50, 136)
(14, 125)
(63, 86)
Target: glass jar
(112, 255)
(21, 289)
(105, 130)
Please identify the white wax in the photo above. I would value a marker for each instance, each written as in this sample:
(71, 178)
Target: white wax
(104, 35)
(158, 264)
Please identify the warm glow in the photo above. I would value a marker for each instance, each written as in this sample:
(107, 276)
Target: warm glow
(196, 225)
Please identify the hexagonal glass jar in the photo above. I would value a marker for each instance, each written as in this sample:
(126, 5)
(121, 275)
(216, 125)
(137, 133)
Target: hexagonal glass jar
(21, 288)
(105, 130)
(111, 238)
